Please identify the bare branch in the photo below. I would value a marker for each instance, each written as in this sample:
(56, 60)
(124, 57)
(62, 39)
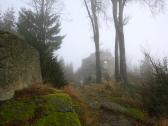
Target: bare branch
(90, 16)
(126, 20)
(155, 6)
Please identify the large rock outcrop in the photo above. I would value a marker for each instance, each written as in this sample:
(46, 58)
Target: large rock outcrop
(19, 65)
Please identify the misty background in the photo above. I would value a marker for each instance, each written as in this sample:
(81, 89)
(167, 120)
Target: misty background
(69, 61)
(144, 31)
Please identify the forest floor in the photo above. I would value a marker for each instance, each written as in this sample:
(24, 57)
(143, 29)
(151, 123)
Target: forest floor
(108, 104)
(111, 104)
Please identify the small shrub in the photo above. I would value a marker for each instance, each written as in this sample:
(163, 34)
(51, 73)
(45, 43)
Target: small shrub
(156, 89)
(52, 71)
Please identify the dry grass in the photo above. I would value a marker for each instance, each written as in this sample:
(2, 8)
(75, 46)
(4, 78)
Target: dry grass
(127, 96)
(116, 92)
(163, 122)
(34, 90)
(86, 115)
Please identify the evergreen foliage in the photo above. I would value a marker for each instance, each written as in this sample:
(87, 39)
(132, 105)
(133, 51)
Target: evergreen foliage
(41, 29)
(156, 93)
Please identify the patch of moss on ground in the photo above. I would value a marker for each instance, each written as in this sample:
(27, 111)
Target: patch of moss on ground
(59, 111)
(80, 112)
(59, 119)
(46, 110)
(59, 102)
(136, 113)
(16, 110)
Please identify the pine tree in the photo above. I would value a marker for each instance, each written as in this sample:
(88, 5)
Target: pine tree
(41, 29)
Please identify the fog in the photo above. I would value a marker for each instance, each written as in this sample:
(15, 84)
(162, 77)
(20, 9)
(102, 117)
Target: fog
(143, 31)
(68, 62)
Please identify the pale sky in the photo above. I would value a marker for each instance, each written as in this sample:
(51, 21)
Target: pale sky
(144, 30)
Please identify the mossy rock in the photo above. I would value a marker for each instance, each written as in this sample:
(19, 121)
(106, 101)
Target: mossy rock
(59, 119)
(12, 111)
(48, 110)
(59, 102)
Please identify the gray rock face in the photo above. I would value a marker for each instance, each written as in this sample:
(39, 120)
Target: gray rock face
(19, 65)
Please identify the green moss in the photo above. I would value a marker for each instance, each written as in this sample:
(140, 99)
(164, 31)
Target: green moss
(49, 110)
(59, 102)
(59, 119)
(59, 111)
(80, 111)
(136, 113)
(16, 110)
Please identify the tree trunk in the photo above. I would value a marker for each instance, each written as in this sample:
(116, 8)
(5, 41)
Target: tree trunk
(117, 74)
(115, 17)
(118, 7)
(96, 40)
(123, 69)
(98, 65)
(94, 21)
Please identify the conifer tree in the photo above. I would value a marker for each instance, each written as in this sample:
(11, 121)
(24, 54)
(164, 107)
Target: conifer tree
(41, 27)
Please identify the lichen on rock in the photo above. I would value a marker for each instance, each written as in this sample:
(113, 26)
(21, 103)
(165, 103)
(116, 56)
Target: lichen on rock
(19, 65)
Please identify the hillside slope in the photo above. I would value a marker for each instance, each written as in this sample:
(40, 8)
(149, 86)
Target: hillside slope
(39, 106)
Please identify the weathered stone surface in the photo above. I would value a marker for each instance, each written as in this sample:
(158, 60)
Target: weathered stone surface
(19, 65)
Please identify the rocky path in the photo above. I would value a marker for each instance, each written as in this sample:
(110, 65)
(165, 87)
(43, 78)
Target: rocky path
(107, 113)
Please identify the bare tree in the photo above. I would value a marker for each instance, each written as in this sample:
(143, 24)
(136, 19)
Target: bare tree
(119, 22)
(8, 21)
(118, 9)
(92, 11)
